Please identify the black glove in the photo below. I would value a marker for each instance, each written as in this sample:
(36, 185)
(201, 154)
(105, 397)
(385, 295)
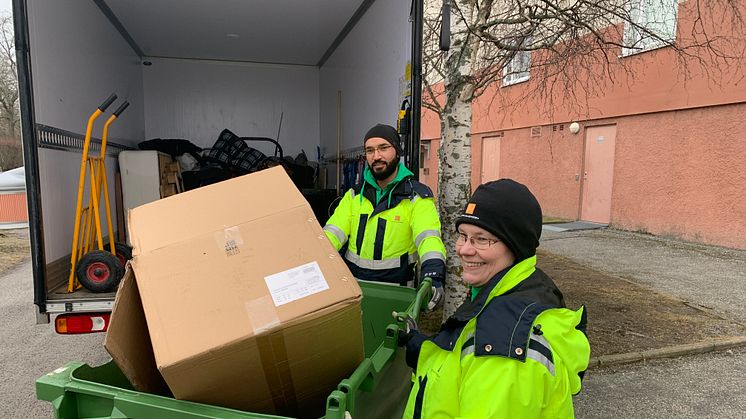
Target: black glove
(403, 338)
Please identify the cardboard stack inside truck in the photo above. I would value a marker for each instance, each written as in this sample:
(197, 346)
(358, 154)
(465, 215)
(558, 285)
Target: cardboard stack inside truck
(236, 298)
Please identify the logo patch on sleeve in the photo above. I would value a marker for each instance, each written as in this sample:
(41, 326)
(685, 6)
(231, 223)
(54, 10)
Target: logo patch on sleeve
(470, 208)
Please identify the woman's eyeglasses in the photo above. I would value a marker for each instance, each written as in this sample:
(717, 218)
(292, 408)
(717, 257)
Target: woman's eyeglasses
(479, 243)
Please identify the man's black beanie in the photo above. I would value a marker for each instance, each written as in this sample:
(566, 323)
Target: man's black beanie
(508, 210)
(386, 132)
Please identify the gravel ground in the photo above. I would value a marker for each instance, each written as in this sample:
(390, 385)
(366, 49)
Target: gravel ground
(29, 351)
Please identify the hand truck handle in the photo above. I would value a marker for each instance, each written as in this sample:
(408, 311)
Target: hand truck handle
(121, 108)
(108, 102)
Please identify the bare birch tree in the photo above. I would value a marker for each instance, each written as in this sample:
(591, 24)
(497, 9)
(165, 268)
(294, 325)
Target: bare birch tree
(10, 142)
(572, 50)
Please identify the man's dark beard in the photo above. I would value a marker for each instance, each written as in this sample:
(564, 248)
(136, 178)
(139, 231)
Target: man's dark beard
(388, 171)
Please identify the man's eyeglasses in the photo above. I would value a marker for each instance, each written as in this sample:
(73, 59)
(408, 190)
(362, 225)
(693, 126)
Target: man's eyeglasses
(479, 243)
(369, 151)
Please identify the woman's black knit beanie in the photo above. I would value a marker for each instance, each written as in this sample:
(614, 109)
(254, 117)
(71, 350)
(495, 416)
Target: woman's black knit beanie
(508, 210)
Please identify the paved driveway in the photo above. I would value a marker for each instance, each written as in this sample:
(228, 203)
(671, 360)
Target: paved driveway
(703, 386)
(711, 276)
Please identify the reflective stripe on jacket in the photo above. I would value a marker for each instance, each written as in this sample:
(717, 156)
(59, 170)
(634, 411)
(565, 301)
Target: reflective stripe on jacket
(513, 352)
(385, 241)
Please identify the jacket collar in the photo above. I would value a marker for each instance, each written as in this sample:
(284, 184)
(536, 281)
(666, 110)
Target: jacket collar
(504, 324)
(503, 282)
(401, 173)
(401, 187)
(471, 308)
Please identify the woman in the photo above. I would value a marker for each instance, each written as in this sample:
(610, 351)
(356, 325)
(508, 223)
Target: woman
(511, 349)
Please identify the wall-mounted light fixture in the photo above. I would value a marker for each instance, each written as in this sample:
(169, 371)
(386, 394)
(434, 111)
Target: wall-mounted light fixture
(574, 128)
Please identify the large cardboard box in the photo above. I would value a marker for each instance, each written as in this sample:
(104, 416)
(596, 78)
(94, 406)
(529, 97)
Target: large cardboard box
(236, 298)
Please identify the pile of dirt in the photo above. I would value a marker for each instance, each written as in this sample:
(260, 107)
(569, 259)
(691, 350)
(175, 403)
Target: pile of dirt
(624, 316)
(628, 317)
(14, 249)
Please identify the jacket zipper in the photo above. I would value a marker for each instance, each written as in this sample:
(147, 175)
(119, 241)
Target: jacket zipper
(419, 399)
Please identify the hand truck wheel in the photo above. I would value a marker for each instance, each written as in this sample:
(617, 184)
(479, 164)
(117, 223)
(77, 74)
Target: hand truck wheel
(124, 252)
(99, 271)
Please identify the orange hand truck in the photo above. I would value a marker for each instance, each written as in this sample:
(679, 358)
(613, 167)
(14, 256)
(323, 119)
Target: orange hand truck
(97, 269)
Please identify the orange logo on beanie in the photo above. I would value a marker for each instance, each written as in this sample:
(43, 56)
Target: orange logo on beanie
(470, 208)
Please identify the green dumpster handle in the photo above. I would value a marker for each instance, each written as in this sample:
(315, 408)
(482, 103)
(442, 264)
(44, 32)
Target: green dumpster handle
(336, 405)
(367, 373)
(424, 293)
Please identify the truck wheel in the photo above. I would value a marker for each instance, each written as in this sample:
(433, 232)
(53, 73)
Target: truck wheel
(99, 271)
(124, 252)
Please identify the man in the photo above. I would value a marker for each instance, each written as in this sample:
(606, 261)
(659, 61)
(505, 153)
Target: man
(512, 349)
(389, 222)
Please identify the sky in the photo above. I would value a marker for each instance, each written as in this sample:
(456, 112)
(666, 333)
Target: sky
(6, 7)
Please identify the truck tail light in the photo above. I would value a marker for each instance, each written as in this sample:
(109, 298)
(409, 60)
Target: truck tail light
(72, 324)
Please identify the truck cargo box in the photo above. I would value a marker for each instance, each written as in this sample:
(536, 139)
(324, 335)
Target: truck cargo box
(312, 75)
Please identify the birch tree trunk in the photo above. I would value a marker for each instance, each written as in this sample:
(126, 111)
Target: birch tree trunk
(454, 177)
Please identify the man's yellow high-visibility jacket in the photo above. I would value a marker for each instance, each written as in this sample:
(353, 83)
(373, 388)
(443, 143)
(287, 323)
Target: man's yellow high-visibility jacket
(384, 233)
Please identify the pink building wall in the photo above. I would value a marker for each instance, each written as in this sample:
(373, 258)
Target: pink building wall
(680, 157)
(13, 208)
(683, 174)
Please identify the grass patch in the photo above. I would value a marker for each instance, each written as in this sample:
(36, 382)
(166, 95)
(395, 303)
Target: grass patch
(14, 249)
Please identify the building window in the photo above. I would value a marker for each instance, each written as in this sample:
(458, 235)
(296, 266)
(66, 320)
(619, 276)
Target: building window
(517, 70)
(652, 25)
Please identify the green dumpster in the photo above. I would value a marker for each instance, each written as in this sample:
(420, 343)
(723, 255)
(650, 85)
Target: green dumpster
(377, 388)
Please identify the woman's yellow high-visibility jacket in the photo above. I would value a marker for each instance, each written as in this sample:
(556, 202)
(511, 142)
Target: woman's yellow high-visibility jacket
(512, 352)
(387, 232)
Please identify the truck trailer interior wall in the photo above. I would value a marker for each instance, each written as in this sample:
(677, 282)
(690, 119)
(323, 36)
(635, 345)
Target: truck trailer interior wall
(59, 202)
(197, 99)
(369, 78)
(78, 59)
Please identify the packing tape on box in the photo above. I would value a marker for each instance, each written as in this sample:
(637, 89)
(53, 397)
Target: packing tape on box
(272, 348)
(262, 314)
(229, 240)
(273, 353)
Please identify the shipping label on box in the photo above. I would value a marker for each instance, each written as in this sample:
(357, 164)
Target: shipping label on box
(296, 283)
